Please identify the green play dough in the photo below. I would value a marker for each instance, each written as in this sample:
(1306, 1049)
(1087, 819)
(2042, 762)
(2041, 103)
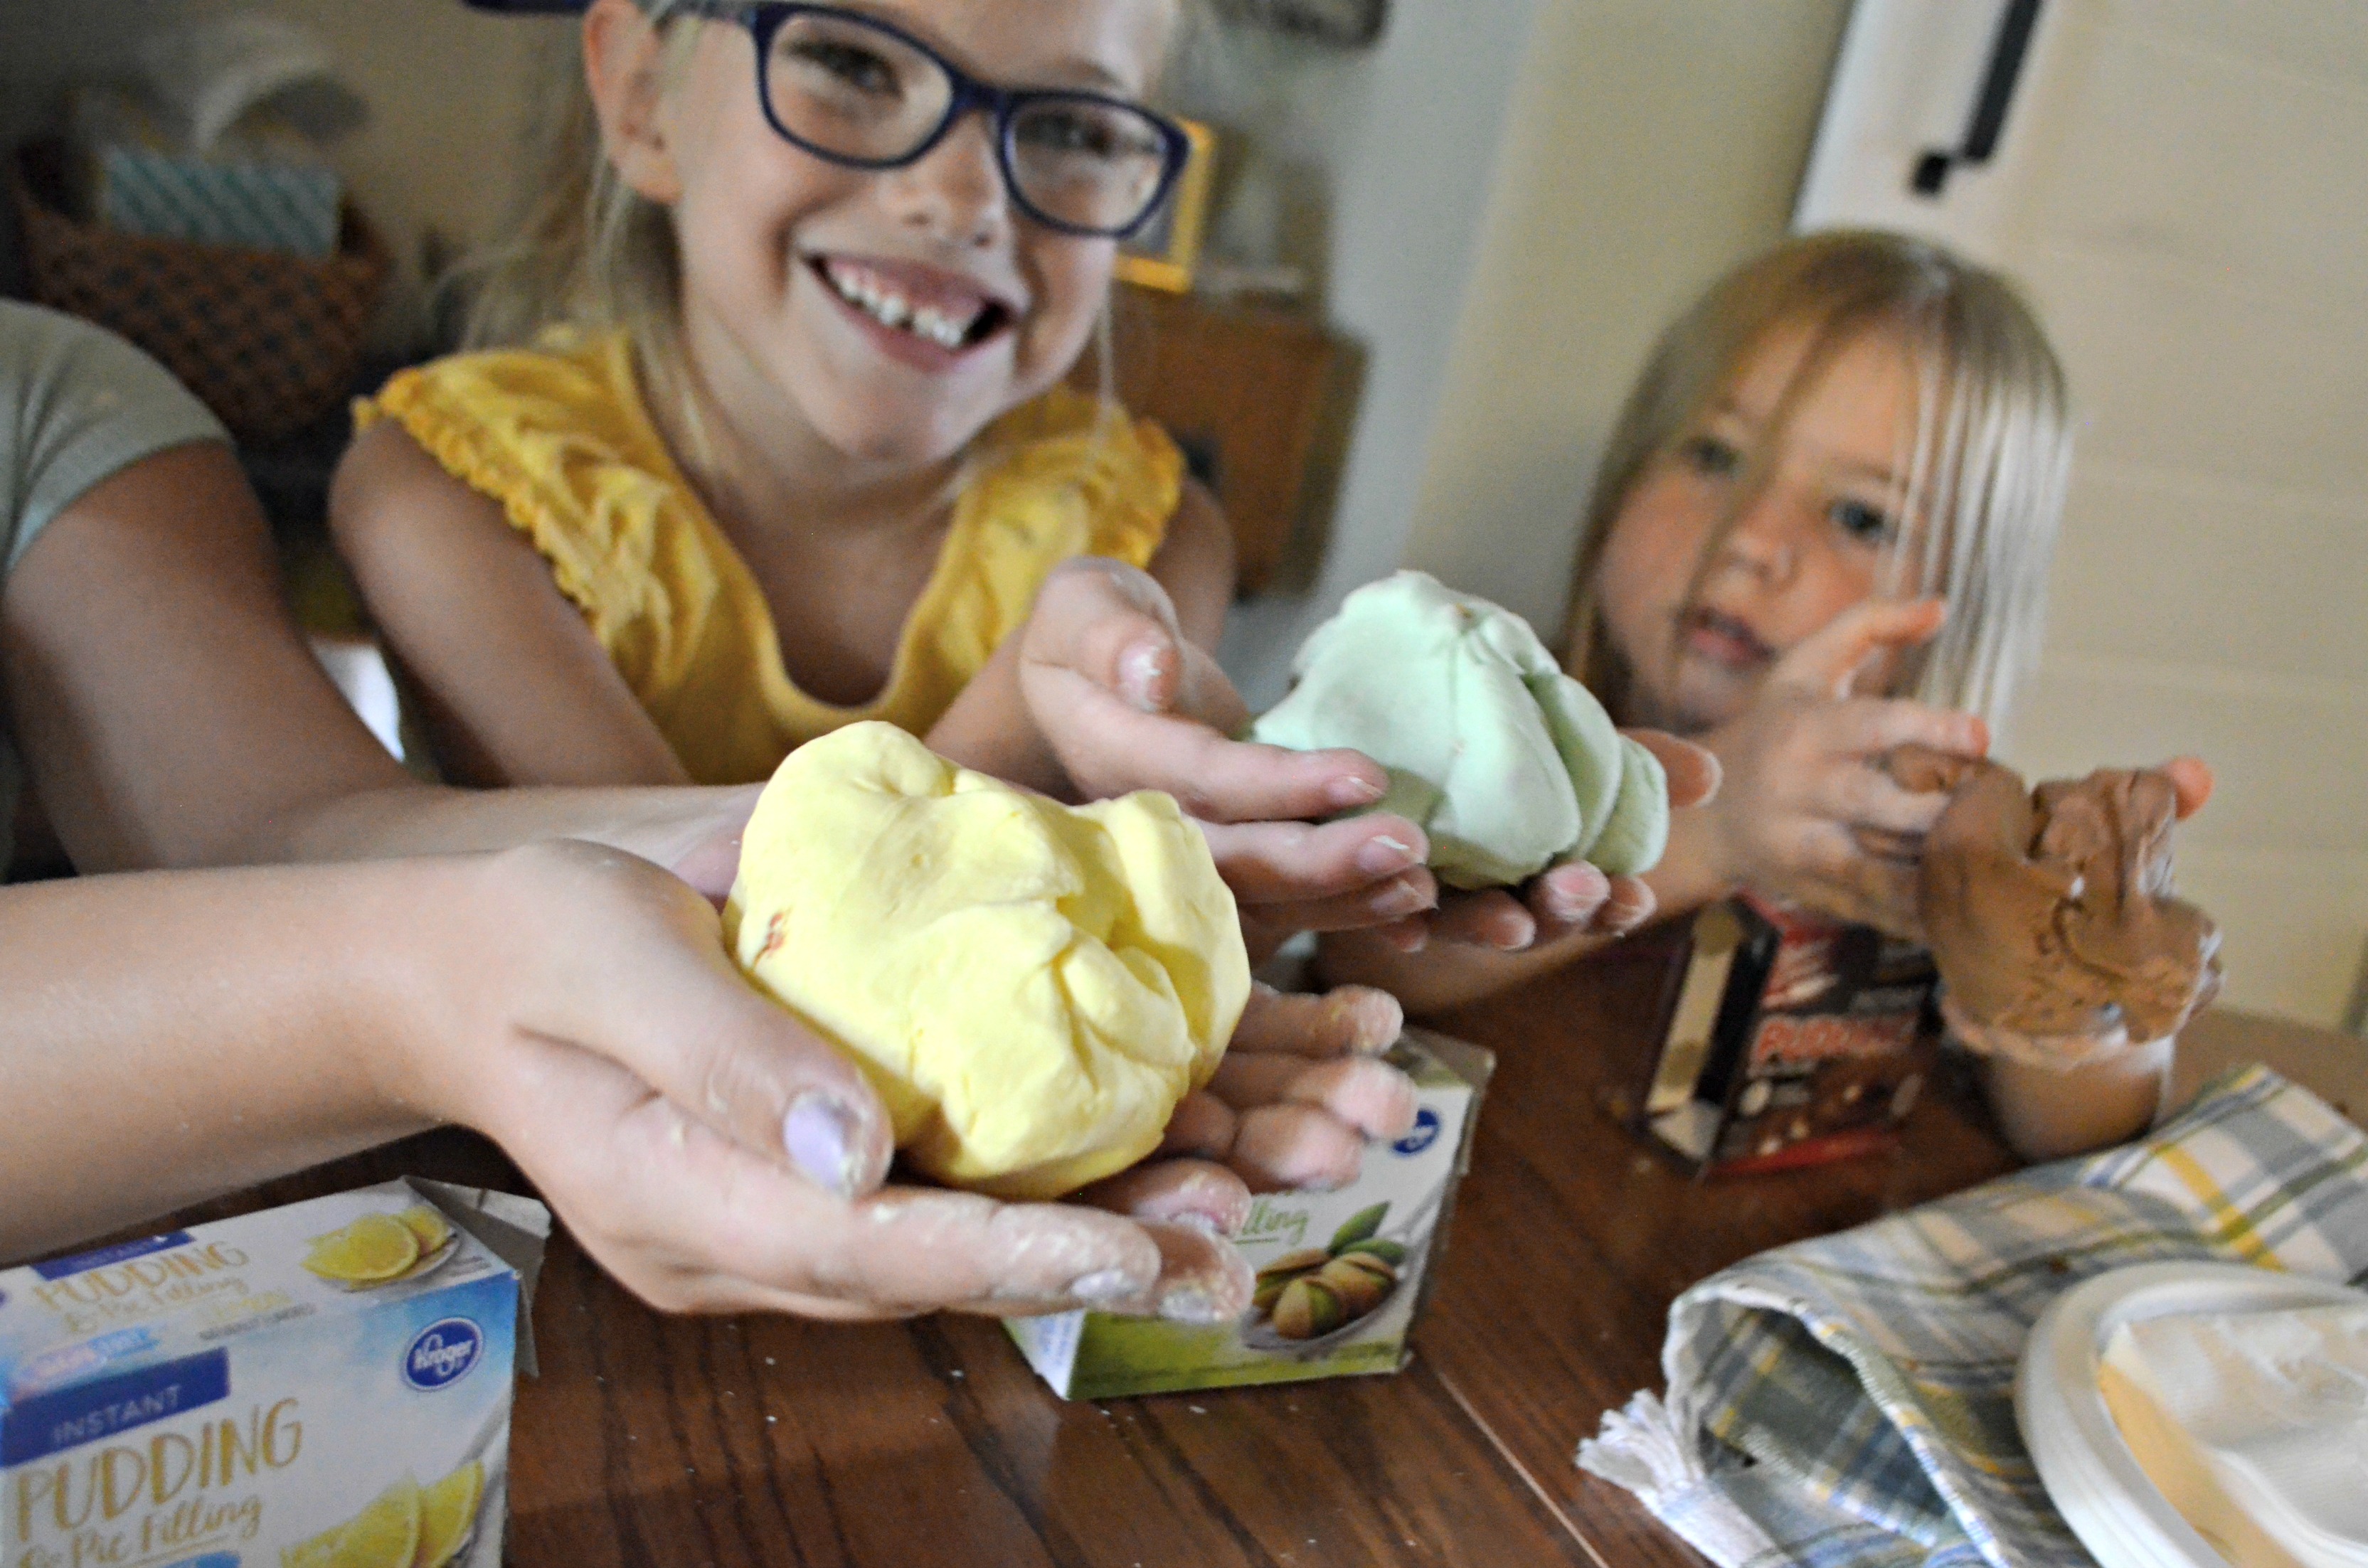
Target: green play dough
(1508, 765)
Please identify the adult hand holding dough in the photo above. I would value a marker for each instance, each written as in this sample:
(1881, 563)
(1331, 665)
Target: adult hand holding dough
(1508, 765)
(1032, 987)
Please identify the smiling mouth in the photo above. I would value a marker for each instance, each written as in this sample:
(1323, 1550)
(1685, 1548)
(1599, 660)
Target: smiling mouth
(952, 319)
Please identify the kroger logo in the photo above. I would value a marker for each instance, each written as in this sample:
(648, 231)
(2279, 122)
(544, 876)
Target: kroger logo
(1425, 1133)
(443, 1353)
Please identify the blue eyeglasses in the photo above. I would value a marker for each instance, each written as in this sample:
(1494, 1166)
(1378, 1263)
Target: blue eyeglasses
(865, 95)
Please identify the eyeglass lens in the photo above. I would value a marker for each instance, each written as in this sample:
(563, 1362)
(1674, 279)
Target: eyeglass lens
(854, 91)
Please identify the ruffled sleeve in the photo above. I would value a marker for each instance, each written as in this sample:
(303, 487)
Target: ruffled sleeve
(559, 440)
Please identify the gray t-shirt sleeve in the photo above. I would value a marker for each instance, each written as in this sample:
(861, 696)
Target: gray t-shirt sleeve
(77, 406)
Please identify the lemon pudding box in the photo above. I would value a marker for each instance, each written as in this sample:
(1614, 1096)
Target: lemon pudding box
(326, 1385)
(1341, 1276)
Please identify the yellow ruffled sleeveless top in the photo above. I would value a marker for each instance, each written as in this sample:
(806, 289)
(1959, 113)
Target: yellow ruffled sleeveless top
(560, 438)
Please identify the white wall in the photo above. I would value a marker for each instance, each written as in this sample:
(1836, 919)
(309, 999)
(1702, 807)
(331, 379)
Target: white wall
(1406, 136)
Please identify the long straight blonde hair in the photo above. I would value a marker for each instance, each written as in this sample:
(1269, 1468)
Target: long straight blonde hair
(583, 250)
(1984, 471)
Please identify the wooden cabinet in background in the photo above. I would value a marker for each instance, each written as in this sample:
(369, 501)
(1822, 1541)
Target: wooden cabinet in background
(1260, 400)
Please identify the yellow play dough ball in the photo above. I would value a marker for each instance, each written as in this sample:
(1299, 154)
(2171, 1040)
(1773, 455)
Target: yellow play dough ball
(1032, 987)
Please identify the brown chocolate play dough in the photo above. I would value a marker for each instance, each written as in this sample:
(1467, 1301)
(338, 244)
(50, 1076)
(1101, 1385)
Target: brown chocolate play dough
(2050, 911)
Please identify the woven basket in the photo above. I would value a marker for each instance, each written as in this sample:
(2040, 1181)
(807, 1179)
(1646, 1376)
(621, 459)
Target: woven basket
(268, 340)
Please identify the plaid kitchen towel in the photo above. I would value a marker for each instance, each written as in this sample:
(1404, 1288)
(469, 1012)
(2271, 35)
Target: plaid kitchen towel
(1849, 1399)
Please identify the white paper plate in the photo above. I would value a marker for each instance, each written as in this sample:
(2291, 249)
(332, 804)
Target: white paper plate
(2091, 1474)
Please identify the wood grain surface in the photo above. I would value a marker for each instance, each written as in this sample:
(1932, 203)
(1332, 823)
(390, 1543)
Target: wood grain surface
(762, 1440)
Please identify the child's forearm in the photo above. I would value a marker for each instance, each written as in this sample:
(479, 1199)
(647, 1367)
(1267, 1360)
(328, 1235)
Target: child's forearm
(169, 1037)
(2046, 1113)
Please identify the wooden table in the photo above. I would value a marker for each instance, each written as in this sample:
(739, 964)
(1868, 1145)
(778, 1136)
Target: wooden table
(767, 1440)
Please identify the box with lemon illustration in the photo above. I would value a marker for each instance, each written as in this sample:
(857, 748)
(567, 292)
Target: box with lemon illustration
(326, 1385)
(1341, 1276)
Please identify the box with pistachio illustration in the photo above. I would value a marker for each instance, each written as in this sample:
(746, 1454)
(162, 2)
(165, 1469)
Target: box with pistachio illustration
(325, 1385)
(1341, 1276)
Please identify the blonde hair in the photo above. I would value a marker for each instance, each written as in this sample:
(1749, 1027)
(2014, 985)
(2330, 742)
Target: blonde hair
(584, 249)
(1985, 468)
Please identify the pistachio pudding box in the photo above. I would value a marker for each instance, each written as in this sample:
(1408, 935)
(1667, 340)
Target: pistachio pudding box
(323, 1386)
(1342, 1276)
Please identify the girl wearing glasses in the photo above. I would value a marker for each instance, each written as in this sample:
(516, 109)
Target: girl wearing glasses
(788, 443)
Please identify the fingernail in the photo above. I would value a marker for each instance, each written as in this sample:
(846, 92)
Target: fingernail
(1189, 1303)
(1400, 899)
(1380, 857)
(1138, 674)
(1105, 1285)
(819, 1137)
(1350, 791)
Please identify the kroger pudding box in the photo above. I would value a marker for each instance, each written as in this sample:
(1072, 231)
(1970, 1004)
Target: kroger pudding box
(326, 1385)
(1341, 1275)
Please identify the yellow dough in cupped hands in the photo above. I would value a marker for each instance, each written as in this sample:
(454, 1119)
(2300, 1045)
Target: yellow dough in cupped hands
(1032, 987)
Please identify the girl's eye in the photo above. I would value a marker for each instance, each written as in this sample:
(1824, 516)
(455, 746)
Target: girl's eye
(1711, 457)
(1870, 525)
(1093, 132)
(845, 64)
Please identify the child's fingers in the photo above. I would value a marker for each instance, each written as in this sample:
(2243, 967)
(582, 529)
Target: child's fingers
(1579, 898)
(1861, 796)
(1107, 746)
(1368, 1095)
(1493, 918)
(1569, 896)
(1869, 890)
(1868, 727)
(2191, 778)
(1284, 1148)
(1828, 664)
(1347, 1020)
(1693, 772)
(1112, 624)
(1293, 862)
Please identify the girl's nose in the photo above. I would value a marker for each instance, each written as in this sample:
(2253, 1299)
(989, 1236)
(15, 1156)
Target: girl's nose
(955, 191)
(1765, 538)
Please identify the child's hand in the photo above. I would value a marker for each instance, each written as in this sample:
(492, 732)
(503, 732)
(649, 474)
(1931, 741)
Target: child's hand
(716, 1157)
(1127, 702)
(1807, 812)
(1568, 901)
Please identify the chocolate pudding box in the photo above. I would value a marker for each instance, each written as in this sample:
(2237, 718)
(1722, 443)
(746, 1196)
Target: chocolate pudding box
(325, 1385)
(1788, 1039)
(1342, 1276)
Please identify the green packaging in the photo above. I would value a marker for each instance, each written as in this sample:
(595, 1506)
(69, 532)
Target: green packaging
(1343, 1274)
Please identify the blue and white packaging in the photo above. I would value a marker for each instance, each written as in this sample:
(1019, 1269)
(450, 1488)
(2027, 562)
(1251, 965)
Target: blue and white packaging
(325, 1385)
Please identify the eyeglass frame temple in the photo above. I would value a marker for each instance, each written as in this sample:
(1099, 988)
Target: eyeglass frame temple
(1002, 106)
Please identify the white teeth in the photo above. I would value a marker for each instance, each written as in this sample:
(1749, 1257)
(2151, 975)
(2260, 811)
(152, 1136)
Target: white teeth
(938, 328)
(889, 308)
